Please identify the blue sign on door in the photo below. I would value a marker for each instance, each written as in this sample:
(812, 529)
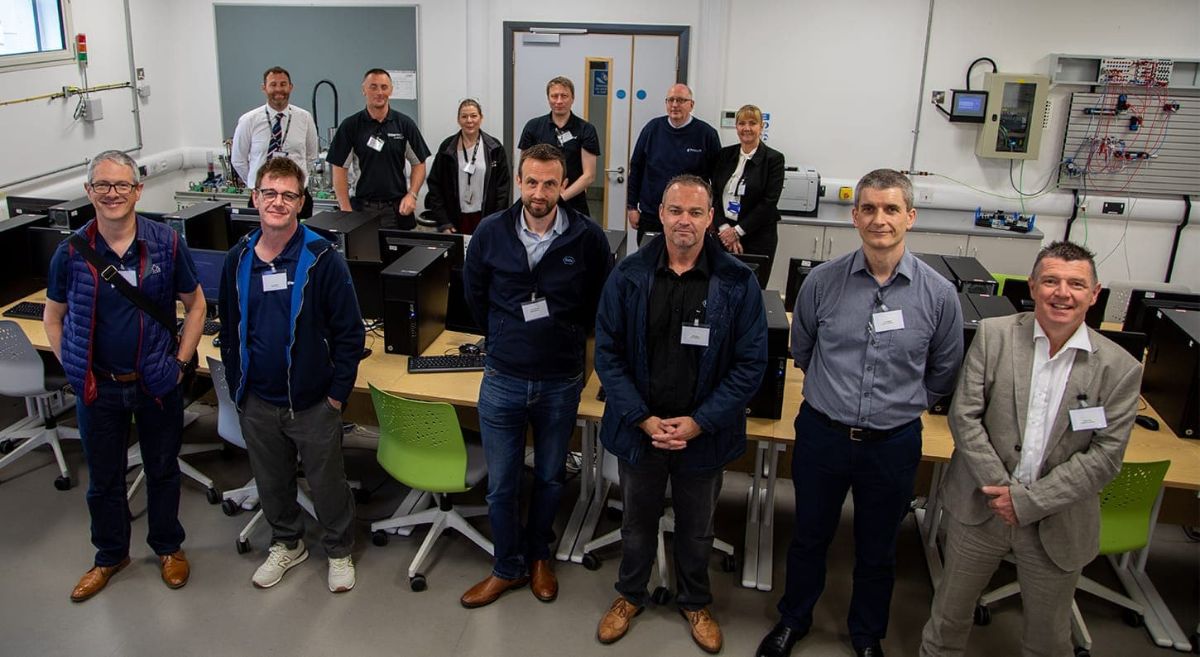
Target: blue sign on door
(599, 83)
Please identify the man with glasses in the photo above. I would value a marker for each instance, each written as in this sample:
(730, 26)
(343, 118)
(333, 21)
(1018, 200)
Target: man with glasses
(576, 138)
(291, 339)
(382, 140)
(878, 334)
(124, 365)
(276, 129)
(669, 146)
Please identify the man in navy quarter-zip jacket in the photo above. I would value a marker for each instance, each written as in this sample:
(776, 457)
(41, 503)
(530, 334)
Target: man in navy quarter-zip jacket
(291, 339)
(532, 276)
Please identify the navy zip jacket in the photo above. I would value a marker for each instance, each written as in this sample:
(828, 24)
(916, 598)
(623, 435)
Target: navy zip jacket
(326, 327)
(497, 280)
(731, 367)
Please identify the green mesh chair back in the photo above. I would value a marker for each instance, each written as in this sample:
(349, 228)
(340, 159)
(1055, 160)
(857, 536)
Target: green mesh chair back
(1003, 280)
(420, 443)
(1127, 504)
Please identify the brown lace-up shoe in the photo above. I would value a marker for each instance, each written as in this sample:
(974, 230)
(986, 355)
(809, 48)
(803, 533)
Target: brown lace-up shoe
(615, 622)
(705, 631)
(487, 591)
(543, 581)
(175, 569)
(94, 580)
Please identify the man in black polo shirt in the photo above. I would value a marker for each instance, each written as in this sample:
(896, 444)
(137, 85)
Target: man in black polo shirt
(577, 139)
(381, 139)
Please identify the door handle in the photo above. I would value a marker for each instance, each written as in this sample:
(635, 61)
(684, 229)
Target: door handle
(816, 247)
(829, 249)
(619, 171)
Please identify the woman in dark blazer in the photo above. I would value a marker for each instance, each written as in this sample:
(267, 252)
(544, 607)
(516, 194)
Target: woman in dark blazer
(470, 175)
(747, 183)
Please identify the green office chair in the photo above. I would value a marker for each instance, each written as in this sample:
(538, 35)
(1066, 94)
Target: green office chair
(1003, 279)
(1128, 510)
(421, 445)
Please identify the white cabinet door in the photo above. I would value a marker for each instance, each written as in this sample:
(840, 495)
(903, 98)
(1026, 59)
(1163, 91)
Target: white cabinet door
(840, 241)
(799, 241)
(1004, 255)
(941, 243)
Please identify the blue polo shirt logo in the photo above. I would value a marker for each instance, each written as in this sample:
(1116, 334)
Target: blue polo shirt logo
(569, 260)
(154, 269)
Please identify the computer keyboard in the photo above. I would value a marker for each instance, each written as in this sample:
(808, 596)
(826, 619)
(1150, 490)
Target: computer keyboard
(212, 326)
(454, 363)
(26, 310)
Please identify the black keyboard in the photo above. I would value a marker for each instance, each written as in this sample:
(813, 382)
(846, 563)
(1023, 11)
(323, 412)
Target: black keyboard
(26, 310)
(463, 363)
(212, 326)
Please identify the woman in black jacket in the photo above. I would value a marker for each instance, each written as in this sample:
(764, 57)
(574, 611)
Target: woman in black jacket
(747, 183)
(470, 176)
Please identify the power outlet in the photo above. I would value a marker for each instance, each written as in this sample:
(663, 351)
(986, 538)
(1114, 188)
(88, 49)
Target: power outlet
(1113, 208)
(924, 196)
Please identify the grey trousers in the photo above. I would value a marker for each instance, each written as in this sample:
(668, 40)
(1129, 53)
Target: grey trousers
(274, 439)
(972, 555)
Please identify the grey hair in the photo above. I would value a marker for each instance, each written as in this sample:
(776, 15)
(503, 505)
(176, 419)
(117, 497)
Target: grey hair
(886, 179)
(117, 157)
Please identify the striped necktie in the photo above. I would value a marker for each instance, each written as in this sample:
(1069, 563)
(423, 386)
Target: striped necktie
(276, 144)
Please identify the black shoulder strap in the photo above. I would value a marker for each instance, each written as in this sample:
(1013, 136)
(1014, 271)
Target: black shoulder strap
(110, 274)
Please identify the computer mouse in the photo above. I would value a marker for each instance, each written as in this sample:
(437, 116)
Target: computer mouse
(216, 340)
(468, 349)
(1147, 422)
(365, 353)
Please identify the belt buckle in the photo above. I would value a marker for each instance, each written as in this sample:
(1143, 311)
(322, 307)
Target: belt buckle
(855, 432)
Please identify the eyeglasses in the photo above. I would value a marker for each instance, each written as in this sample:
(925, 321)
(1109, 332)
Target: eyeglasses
(677, 100)
(121, 188)
(269, 195)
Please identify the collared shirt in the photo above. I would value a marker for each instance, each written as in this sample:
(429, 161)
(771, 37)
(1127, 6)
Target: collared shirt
(730, 192)
(1047, 382)
(872, 379)
(674, 366)
(381, 172)
(269, 332)
(252, 138)
(470, 185)
(536, 245)
(573, 138)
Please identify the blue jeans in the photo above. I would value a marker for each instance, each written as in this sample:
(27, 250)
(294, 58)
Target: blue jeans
(104, 432)
(825, 464)
(507, 405)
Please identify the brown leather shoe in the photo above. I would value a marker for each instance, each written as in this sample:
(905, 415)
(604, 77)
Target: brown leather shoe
(175, 569)
(94, 580)
(615, 622)
(487, 591)
(705, 631)
(544, 583)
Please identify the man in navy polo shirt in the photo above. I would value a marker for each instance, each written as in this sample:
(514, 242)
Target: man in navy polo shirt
(576, 138)
(124, 365)
(291, 339)
(382, 140)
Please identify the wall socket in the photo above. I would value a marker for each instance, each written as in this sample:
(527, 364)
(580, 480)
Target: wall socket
(924, 196)
(1113, 208)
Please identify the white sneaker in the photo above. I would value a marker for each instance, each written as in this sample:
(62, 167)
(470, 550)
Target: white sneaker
(341, 574)
(279, 560)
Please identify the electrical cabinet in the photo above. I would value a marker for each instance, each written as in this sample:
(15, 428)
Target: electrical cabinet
(1017, 113)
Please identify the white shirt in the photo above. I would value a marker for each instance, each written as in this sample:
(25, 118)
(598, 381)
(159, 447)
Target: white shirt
(253, 136)
(1047, 383)
(536, 245)
(730, 191)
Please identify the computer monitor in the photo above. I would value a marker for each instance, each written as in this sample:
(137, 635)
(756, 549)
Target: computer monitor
(43, 242)
(798, 270)
(15, 280)
(1131, 341)
(368, 287)
(394, 243)
(18, 205)
(1145, 304)
(209, 263)
(203, 225)
(759, 264)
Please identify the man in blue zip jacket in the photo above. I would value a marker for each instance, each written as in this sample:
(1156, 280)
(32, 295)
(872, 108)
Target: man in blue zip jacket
(681, 347)
(291, 339)
(532, 277)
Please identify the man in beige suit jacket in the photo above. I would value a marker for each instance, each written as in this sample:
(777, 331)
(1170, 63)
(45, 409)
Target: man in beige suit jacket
(1040, 419)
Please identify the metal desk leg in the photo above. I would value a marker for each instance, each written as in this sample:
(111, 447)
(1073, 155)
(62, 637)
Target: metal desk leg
(928, 519)
(753, 516)
(587, 472)
(766, 529)
(599, 493)
(1161, 625)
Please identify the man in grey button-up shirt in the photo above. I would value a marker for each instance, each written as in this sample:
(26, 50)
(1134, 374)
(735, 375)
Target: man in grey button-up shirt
(878, 334)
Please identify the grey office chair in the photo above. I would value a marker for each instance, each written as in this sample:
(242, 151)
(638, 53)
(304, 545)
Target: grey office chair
(25, 373)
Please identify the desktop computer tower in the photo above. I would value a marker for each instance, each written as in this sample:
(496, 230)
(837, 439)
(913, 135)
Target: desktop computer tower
(767, 402)
(18, 205)
(72, 214)
(1171, 378)
(971, 276)
(970, 322)
(798, 271)
(203, 225)
(415, 292)
(242, 222)
(938, 263)
(354, 234)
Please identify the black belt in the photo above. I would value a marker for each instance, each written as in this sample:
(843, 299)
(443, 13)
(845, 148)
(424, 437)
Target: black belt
(119, 378)
(861, 434)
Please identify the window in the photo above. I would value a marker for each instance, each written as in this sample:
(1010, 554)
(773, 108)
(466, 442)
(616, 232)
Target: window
(34, 32)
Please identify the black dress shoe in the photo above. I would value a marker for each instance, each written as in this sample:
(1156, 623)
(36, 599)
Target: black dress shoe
(869, 651)
(779, 641)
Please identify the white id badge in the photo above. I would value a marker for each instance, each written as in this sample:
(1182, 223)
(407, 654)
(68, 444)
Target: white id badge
(695, 335)
(741, 188)
(469, 168)
(536, 309)
(564, 137)
(275, 281)
(1083, 419)
(129, 275)
(890, 320)
(375, 143)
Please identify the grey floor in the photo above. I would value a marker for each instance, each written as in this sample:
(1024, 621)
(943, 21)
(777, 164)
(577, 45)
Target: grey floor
(45, 548)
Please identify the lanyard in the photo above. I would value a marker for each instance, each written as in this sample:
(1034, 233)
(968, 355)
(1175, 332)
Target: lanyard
(286, 130)
(474, 153)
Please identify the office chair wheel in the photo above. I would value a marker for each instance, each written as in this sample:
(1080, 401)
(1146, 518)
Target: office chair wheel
(7, 446)
(590, 561)
(243, 546)
(362, 496)
(1080, 651)
(62, 483)
(379, 537)
(661, 595)
(1132, 618)
(983, 615)
(417, 583)
(229, 508)
(728, 563)
(213, 495)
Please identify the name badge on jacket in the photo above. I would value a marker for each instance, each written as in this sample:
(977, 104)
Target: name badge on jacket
(888, 320)
(274, 281)
(1084, 419)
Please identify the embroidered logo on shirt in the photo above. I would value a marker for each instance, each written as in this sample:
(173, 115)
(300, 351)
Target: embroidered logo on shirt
(569, 260)
(154, 269)
(693, 150)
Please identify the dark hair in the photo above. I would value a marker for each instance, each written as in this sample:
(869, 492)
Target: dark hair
(689, 180)
(542, 153)
(1068, 251)
(280, 167)
(277, 69)
(377, 71)
(886, 179)
(472, 102)
(562, 82)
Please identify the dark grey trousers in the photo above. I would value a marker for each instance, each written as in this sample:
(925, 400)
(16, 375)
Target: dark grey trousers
(274, 439)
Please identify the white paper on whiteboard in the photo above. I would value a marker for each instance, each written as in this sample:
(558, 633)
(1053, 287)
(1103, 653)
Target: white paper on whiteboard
(404, 85)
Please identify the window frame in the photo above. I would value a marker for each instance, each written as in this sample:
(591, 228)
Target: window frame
(16, 62)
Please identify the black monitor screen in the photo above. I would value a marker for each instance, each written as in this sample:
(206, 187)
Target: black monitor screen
(208, 271)
(761, 265)
(798, 270)
(1145, 304)
(394, 243)
(43, 242)
(1131, 341)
